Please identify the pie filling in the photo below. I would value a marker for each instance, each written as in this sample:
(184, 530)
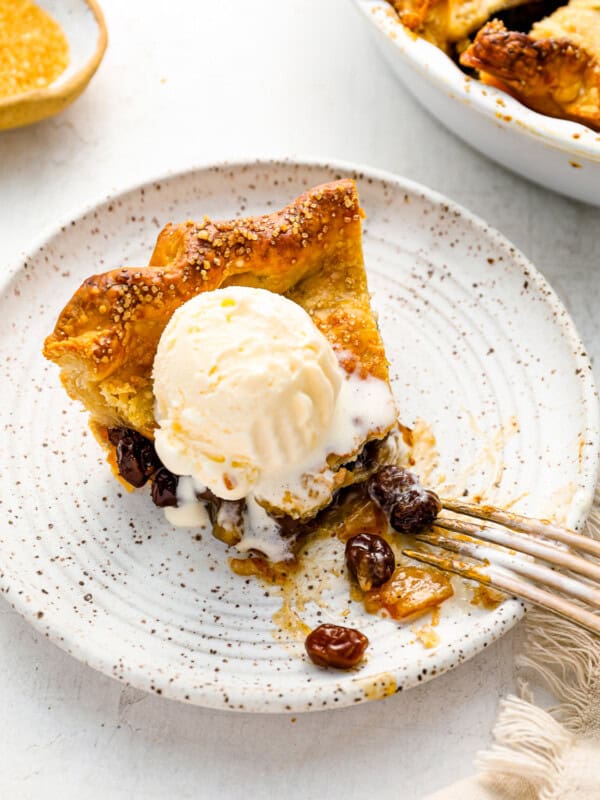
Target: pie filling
(245, 523)
(546, 53)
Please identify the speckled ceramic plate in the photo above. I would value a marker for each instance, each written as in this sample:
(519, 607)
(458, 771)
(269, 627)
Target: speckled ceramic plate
(481, 349)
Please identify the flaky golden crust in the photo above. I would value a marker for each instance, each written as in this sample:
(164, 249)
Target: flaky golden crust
(106, 337)
(426, 18)
(447, 22)
(555, 76)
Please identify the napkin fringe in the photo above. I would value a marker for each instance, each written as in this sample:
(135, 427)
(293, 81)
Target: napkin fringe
(566, 661)
(531, 744)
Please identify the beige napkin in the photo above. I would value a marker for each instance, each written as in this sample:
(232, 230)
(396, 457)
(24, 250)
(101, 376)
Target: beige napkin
(551, 754)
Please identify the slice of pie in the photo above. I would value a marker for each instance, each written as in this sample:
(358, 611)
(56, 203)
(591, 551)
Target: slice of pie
(106, 339)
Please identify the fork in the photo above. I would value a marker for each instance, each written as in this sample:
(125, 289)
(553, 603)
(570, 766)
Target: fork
(499, 555)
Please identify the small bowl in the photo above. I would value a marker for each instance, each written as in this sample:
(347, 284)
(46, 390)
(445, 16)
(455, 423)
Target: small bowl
(85, 29)
(558, 154)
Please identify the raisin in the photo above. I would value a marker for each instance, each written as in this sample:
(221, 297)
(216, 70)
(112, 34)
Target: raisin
(370, 560)
(136, 457)
(409, 506)
(149, 460)
(336, 646)
(116, 434)
(164, 488)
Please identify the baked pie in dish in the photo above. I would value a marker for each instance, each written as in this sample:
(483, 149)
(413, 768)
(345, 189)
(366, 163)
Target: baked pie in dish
(241, 373)
(553, 69)
(545, 54)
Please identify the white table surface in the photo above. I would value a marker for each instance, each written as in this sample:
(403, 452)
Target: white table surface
(190, 82)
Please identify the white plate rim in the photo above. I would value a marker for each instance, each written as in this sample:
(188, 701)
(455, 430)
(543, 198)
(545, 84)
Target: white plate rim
(433, 64)
(252, 695)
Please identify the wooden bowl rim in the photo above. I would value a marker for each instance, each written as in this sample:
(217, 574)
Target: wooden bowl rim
(77, 80)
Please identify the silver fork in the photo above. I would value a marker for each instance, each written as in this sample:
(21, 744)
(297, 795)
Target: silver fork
(499, 556)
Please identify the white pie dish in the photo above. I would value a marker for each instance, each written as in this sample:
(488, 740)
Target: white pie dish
(561, 155)
(481, 348)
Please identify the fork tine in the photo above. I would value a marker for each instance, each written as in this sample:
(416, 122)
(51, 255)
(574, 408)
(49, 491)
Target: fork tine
(524, 524)
(524, 544)
(524, 567)
(498, 579)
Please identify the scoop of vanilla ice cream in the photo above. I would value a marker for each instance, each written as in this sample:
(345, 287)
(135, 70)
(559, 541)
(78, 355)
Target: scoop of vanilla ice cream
(245, 386)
